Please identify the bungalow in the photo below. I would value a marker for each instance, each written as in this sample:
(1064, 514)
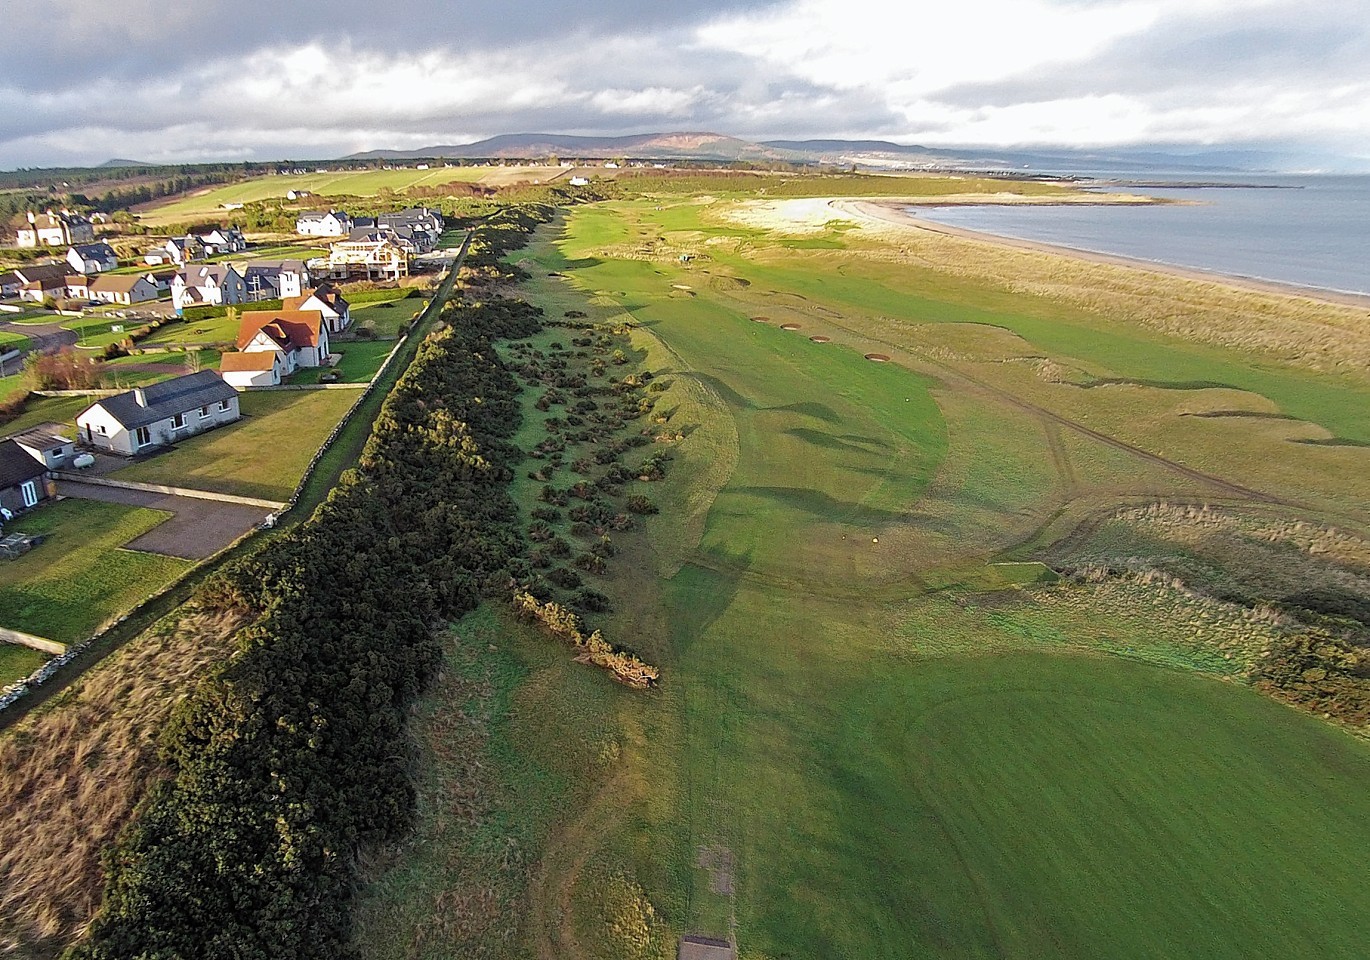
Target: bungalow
(316, 223)
(46, 444)
(176, 250)
(92, 257)
(256, 368)
(44, 288)
(159, 414)
(78, 286)
(126, 289)
(41, 271)
(221, 240)
(275, 280)
(59, 229)
(326, 300)
(210, 284)
(300, 335)
(23, 480)
(9, 284)
(161, 278)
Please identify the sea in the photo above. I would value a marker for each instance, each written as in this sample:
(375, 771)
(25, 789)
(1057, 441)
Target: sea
(1308, 230)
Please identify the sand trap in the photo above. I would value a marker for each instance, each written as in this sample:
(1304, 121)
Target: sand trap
(761, 319)
(789, 326)
(878, 357)
(820, 339)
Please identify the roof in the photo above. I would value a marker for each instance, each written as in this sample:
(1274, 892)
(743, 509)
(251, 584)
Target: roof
(121, 283)
(45, 436)
(300, 328)
(17, 465)
(165, 399)
(196, 276)
(39, 271)
(95, 251)
(256, 360)
(273, 266)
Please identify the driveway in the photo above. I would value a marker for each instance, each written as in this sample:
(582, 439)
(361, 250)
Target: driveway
(196, 529)
(42, 336)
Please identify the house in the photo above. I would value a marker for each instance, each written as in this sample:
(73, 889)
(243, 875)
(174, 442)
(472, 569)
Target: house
(176, 250)
(315, 223)
(275, 280)
(45, 288)
(23, 480)
(579, 182)
(9, 284)
(158, 414)
(301, 335)
(35, 272)
(161, 278)
(77, 286)
(416, 218)
(126, 289)
(297, 194)
(256, 368)
(220, 240)
(91, 258)
(213, 284)
(46, 444)
(325, 300)
(60, 229)
(373, 259)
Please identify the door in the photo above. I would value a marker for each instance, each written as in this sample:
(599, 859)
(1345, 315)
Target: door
(29, 491)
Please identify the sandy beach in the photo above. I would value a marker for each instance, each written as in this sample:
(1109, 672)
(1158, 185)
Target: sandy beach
(893, 215)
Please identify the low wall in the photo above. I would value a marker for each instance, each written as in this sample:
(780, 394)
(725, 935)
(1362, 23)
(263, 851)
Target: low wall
(306, 386)
(77, 393)
(167, 489)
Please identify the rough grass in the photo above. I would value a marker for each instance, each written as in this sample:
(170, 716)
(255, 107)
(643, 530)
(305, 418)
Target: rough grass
(18, 662)
(386, 317)
(71, 773)
(262, 455)
(212, 330)
(80, 577)
(360, 361)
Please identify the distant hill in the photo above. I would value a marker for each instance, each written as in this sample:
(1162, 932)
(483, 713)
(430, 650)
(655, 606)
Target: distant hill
(650, 146)
(122, 163)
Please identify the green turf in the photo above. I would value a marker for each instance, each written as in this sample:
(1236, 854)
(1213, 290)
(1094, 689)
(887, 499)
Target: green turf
(360, 361)
(262, 455)
(18, 662)
(386, 317)
(79, 578)
(178, 333)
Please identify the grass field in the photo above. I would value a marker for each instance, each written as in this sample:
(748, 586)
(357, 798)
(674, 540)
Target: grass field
(80, 577)
(362, 183)
(360, 361)
(386, 317)
(869, 741)
(18, 662)
(211, 330)
(262, 455)
(38, 410)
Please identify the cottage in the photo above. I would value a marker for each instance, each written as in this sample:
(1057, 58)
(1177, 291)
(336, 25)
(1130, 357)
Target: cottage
(60, 229)
(23, 480)
(315, 223)
(300, 335)
(256, 368)
(88, 258)
(209, 284)
(159, 414)
(9, 284)
(126, 289)
(77, 286)
(220, 240)
(176, 250)
(328, 302)
(275, 280)
(46, 444)
(45, 288)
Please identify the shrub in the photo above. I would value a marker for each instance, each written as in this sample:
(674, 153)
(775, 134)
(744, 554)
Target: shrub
(639, 504)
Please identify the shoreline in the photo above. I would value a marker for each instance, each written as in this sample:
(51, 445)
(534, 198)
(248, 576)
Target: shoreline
(892, 214)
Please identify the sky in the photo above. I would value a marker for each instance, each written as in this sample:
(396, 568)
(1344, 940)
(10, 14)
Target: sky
(83, 81)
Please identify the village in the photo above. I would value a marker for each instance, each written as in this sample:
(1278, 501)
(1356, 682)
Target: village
(169, 403)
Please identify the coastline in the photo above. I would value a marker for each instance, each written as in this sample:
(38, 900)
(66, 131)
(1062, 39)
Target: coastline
(893, 214)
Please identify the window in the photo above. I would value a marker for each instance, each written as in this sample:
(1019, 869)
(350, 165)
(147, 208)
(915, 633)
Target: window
(142, 437)
(223, 405)
(100, 429)
(29, 490)
(178, 421)
(204, 412)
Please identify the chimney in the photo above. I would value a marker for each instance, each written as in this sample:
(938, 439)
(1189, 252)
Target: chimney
(140, 395)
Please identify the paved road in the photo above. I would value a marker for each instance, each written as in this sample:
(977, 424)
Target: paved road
(197, 528)
(42, 336)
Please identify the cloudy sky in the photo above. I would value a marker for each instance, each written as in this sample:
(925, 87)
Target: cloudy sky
(85, 80)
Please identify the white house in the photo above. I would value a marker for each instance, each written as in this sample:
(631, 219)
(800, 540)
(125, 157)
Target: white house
(47, 444)
(314, 223)
(301, 336)
(126, 289)
(90, 258)
(59, 229)
(212, 284)
(256, 368)
(158, 414)
(221, 240)
(329, 303)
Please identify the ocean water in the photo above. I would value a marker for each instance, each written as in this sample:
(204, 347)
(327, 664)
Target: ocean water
(1313, 231)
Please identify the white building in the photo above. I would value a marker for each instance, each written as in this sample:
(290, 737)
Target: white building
(314, 223)
(212, 284)
(158, 414)
(60, 229)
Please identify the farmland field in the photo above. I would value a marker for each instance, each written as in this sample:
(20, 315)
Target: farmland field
(67, 587)
(881, 731)
(262, 455)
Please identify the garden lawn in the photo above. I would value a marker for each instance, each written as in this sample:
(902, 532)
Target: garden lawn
(178, 333)
(262, 455)
(386, 317)
(361, 359)
(38, 410)
(78, 579)
(18, 662)
(12, 341)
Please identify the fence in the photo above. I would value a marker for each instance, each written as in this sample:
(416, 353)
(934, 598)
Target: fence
(167, 489)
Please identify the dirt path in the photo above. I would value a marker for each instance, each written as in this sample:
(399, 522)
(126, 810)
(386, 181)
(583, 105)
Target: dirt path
(551, 894)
